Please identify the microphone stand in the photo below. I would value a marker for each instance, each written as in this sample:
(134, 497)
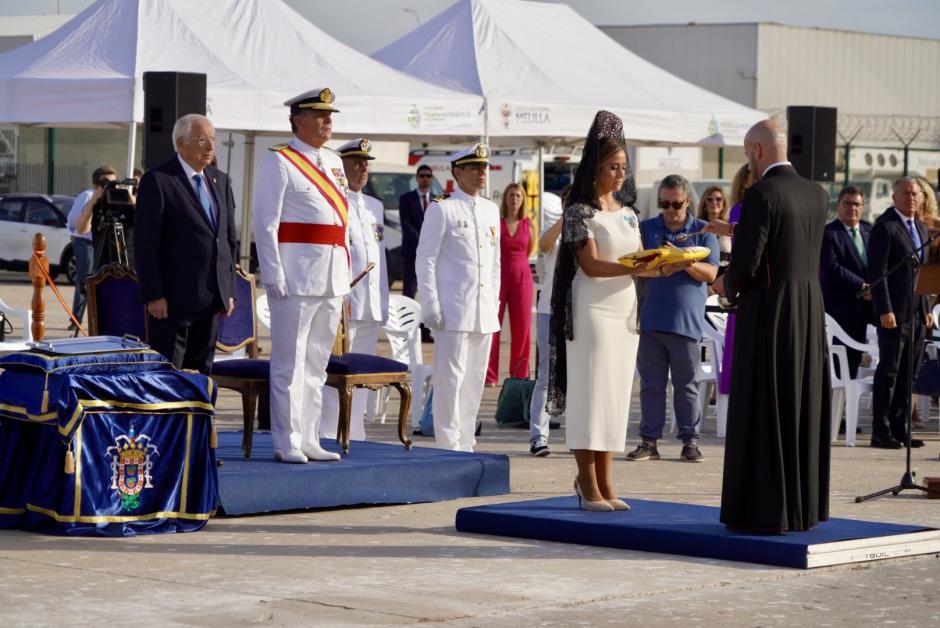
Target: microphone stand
(907, 479)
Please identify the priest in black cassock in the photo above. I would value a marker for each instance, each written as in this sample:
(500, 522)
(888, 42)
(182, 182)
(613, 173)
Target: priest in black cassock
(776, 474)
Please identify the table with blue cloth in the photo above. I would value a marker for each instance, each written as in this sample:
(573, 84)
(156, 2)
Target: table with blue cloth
(105, 443)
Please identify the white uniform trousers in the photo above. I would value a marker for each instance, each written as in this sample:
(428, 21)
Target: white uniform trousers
(302, 333)
(460, 361)
(363, 338)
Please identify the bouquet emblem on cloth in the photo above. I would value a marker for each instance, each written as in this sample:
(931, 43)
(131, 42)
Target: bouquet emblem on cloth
(130, 467)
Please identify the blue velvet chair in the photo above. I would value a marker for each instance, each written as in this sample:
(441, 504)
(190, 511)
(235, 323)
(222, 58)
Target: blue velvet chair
(114, 306)
(347, 371)
(250, 376)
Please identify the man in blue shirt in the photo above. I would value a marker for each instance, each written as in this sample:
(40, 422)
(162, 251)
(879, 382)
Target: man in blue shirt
(671, 317)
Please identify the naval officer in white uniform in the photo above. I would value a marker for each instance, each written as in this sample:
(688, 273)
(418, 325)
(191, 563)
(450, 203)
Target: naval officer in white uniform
(300, 229)
(457, 265)
(368, 299)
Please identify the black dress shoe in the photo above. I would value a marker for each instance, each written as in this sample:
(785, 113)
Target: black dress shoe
(916, 442)
(479, 429)
(885, 443)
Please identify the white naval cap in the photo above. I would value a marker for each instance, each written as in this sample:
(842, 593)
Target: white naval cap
(479, 153)
(359, 147)
(320, 98)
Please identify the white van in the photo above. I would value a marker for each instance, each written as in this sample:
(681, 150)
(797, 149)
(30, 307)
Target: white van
(387, 182)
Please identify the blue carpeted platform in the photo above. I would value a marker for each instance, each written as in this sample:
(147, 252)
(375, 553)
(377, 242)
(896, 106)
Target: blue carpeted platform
(693, 530)
(372, 473)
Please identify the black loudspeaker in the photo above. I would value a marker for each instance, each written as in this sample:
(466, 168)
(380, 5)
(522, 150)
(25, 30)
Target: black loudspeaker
(811, 141)
(168, 96)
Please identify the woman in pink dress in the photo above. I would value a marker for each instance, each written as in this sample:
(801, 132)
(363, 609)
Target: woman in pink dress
(517, 242)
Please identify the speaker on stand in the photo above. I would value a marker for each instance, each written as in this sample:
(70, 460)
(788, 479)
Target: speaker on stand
(811, 141)
(168, 96)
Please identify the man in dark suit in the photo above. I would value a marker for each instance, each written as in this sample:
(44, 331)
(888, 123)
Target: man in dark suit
(185, 247)
(896, 235)
(411, 207)
(776, 471)
(843, 270)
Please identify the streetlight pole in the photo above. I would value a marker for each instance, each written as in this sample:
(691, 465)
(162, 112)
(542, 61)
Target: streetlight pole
(413, 12)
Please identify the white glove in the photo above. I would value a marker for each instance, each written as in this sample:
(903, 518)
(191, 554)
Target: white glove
(276, 290)
(434, 320)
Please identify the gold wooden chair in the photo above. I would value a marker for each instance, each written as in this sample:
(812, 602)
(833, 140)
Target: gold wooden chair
(250, 376)
(348, 371)
(114, 306)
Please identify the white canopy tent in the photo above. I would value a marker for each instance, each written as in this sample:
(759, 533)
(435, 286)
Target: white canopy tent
(255, 54)
(545, 71)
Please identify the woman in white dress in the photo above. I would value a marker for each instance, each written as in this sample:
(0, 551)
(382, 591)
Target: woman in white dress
(594, 313)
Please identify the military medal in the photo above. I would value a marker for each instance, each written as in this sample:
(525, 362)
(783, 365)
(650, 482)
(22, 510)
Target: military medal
(378, 231)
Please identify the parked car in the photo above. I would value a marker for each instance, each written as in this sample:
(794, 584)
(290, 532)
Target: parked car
(22, 215)
(387, 182)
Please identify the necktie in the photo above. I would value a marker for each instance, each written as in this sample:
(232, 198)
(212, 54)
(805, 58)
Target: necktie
(424, 201)
(915, 237)
(859, 245)
(203, 195)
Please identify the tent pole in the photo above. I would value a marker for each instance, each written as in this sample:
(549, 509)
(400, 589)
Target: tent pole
(131, 148)
(486, 140)
(244, 247)
(541, 214)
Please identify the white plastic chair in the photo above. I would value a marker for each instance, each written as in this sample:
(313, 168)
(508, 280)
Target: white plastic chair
(403, 332)
(853, 388)
(26, 321)
(714, 330)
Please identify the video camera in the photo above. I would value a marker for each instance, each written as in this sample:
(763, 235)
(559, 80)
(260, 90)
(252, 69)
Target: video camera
(115, 203)
(112, 221)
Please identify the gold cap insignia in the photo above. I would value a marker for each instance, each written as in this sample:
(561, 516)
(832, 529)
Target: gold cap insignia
(481, 151)
(326, 95)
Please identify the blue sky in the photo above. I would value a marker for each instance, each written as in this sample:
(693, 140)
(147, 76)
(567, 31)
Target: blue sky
(370, 24)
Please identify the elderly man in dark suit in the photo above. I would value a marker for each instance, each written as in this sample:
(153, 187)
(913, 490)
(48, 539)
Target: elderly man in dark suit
(776, 472)
(843, 270)
(411, 207)
(185, 247)
(895, 236)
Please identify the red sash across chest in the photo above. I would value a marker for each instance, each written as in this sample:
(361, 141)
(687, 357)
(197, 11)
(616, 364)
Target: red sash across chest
(310, 233)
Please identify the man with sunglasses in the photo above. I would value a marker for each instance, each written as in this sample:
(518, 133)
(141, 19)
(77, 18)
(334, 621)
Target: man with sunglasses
(411, 208)
(184, 242)
(671, 318)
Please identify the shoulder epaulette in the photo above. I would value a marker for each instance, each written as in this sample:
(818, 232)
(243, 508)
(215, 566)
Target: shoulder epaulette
(438, 199)
(277, 147)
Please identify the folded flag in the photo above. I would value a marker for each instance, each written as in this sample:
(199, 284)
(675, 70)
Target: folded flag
(654, 258)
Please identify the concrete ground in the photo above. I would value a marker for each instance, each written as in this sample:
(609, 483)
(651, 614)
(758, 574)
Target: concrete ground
(398, 565)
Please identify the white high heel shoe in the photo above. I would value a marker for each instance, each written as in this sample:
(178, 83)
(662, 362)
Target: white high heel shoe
(599, 506)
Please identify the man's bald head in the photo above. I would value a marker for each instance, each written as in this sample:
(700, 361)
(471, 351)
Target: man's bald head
(764, 144)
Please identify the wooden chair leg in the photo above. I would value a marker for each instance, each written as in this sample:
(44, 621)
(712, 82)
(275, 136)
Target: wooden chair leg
(249, 402)
(345, 412)
(404, 390)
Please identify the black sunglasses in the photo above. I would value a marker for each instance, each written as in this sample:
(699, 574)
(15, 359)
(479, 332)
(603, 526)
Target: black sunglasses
(424, 175)
(674, 204)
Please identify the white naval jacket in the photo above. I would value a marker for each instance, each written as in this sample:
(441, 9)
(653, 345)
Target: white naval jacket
(369, 298)
(284, 194)
(457, 263)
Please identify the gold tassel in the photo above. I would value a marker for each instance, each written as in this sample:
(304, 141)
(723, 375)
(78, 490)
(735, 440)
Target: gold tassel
(213, 437)
(69, 461)
(45, 397)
